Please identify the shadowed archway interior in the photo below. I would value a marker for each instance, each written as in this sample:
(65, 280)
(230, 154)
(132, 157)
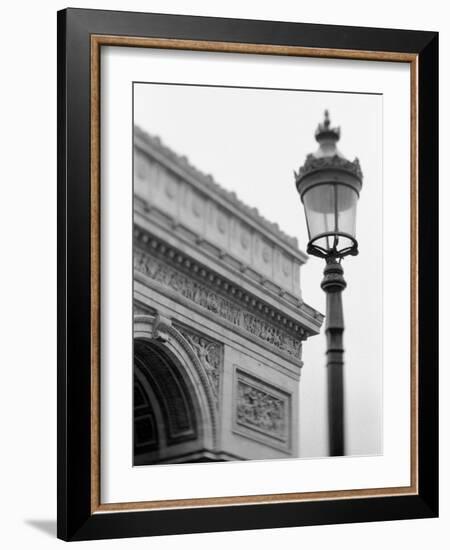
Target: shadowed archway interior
(167, 418)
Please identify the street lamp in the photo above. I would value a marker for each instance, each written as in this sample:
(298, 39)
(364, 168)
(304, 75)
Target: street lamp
(329, 187)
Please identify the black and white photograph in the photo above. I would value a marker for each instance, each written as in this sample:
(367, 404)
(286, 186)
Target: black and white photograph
(221, 307)
(257, 282)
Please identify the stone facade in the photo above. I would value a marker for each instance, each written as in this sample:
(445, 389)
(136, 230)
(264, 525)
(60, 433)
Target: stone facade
(217, 299)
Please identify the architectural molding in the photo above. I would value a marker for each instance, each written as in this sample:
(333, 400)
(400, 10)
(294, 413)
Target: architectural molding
(139, 309)
(152, 145)
(202, 287)
(151, 222)
(149, 244)
(167, 328)
(209, 353)
(160, 329)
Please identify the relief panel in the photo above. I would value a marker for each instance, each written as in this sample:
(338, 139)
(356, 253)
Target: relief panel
(263, 256)
(283, 270)
(241, 241)
(194, 210)
(261, 411)
(217, 228)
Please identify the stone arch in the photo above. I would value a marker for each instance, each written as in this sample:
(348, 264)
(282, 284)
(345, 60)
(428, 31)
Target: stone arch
(170, 375)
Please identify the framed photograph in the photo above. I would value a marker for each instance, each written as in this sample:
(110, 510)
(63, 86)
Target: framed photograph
(247, 255)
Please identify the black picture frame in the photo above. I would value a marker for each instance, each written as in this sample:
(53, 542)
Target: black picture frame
(76, 519)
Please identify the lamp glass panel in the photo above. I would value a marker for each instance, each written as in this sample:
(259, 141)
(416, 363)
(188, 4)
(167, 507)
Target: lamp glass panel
(320, 208)
(331, 208)
(346, 208)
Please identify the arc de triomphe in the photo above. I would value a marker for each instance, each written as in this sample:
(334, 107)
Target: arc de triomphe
(219, 319)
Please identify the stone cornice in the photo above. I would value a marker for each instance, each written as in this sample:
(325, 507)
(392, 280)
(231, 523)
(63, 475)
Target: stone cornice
(176, 269)
(149, 219)
(153, 146)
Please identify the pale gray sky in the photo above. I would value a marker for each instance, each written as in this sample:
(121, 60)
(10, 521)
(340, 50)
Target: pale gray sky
(251, 140)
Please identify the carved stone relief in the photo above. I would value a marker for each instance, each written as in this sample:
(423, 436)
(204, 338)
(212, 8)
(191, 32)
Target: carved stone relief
(221, 223)
(202, 295)
(210, 355)
(261, 409)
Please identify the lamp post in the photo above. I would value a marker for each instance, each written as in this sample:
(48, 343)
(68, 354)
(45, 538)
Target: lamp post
(329, 187)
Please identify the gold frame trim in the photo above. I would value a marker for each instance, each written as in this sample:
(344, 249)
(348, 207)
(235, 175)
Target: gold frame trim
(97, 41)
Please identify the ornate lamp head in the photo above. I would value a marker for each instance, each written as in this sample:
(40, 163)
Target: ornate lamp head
(329, 187)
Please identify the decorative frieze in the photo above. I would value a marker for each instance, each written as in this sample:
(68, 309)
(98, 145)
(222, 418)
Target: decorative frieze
(197, 291)
(210, 355)
(262, 411)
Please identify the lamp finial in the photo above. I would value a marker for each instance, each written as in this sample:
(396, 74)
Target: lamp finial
(324, 130)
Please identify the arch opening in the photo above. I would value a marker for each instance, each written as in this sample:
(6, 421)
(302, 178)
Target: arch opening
(167, 415)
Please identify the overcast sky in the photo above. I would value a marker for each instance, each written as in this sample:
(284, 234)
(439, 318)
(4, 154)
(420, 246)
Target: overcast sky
(251, 141)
